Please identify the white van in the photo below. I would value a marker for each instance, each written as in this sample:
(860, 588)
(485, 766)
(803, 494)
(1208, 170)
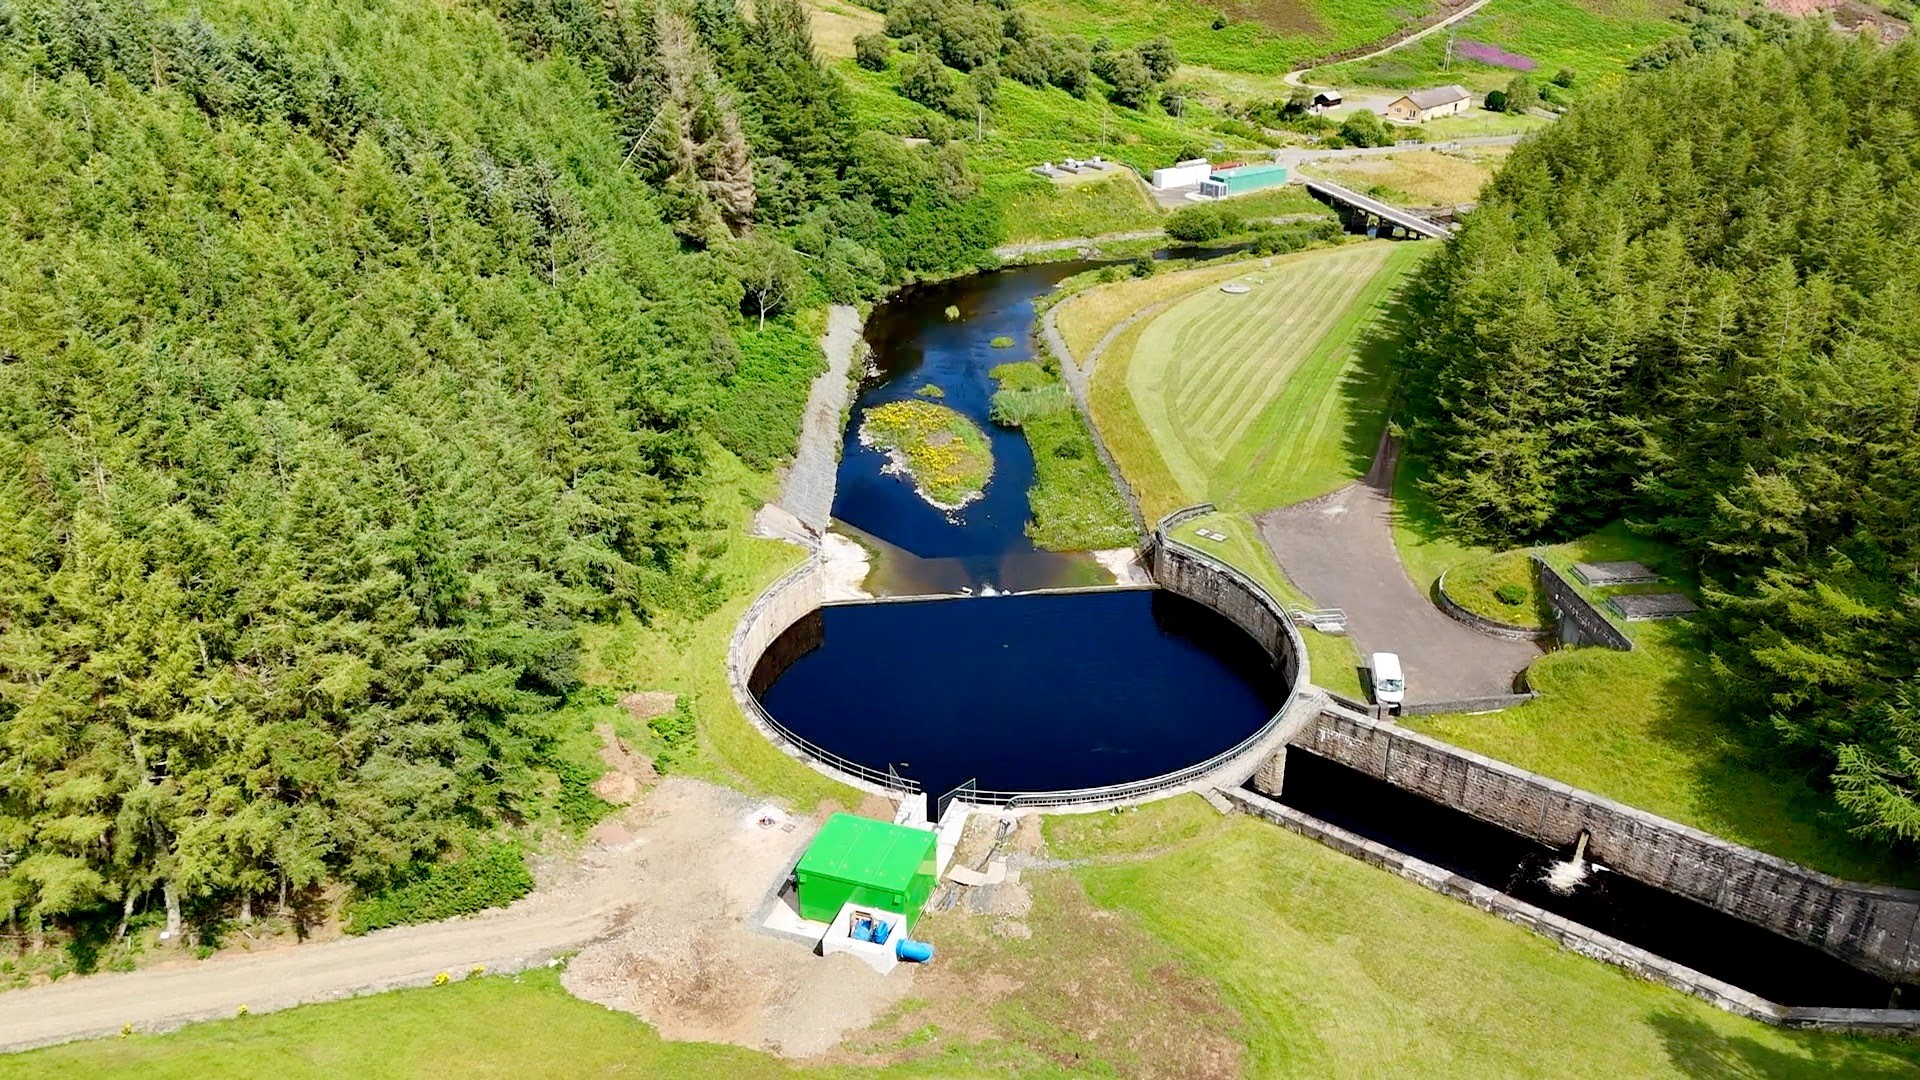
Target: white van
(1389, 685)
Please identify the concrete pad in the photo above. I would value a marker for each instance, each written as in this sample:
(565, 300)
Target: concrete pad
(1601, 574)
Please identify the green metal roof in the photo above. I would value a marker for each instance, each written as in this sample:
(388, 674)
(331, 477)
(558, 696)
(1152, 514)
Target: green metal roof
(867, 852)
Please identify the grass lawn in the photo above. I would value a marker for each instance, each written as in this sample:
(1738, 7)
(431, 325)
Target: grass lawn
(1035, 208)
(1647, 727)
(836, 23)
(1416, 178)
(1288, 959)
(1259, 400)
(1596, 38)
(1074, 502)
(1477, 586)
(1339, 969)
(1479, 122)
(1279, 202)
(685, 652)
(1262, 36)
(1085, 318)
(1333, 662)
(1427, 549)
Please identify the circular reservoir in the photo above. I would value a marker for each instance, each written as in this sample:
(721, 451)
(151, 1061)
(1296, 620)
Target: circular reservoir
(1021, 693)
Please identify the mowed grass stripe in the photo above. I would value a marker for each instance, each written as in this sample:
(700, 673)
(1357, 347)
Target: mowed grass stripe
(1320, 430)
(1234, 322)
(1257, 400)
(1242, 399)
(1274, 326)
(1252, 364)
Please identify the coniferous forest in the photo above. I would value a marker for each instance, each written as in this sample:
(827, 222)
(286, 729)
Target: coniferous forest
(352, 356)
(1692, 302)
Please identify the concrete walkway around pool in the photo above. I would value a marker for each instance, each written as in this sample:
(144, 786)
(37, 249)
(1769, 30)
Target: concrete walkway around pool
(1339, 550)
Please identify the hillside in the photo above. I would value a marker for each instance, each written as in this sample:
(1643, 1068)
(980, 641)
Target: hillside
(357, 356)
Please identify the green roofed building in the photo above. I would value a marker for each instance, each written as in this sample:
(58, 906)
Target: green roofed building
(867, 862)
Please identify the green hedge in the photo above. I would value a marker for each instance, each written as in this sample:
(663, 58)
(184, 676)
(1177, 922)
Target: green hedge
(492, 876)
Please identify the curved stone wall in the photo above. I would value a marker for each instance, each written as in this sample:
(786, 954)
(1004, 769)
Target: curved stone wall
(1179, 569)
(1492, 627)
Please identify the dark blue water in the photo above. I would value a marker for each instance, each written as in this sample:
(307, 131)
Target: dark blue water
(1023, 693)
(1690, 933)
(915, 344)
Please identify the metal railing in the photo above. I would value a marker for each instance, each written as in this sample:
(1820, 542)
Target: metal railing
(1163, 535)
(889, 780)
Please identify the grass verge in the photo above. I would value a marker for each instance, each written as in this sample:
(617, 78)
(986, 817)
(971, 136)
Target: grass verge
(1501, 587)
(1333, 662)
(1074, 504)
(1039, 209)
(684, 652)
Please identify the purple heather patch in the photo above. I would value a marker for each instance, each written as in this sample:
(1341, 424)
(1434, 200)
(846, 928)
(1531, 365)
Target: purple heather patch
(1495, 55)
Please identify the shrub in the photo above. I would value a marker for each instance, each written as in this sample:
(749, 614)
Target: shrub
(1520, 95)
(1564, 78)
(870, 51)
(1364, 129)
(1001, 341)
(677, 732)
(1511, 594)
(1207, 221)
(492, 876)
(1496, 101)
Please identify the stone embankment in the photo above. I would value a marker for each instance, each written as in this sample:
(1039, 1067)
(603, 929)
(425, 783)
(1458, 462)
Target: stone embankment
(808, 491)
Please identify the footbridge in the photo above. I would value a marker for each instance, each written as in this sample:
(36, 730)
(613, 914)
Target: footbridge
(1411, 222)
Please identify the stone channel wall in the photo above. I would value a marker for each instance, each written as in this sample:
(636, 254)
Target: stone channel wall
(1871, 927)
(1569, 934)
(1580, 622)
(1185, 572)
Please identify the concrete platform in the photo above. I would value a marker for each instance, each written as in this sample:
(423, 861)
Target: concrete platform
(1640, 607)
(1601, 574)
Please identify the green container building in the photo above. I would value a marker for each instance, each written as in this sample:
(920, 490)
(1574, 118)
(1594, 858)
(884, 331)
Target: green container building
(1241, 179)
(867, 862)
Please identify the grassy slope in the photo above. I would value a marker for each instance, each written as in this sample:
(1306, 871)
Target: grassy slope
(1419, 178)
(1262, 36)
(1646, 727)
(1596, 38)
(1339, 969)
(686, 653)
(1331, 968)
(1088, 208)
(1472, 586)
(1333, 662)
(1260, 400)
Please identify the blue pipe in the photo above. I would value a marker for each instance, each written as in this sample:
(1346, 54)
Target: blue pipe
(913, 952)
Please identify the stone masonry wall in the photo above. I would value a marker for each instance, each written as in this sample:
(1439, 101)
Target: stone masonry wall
(1571, 935)
(1186, 573)
(1869, 926)
(1580, 622)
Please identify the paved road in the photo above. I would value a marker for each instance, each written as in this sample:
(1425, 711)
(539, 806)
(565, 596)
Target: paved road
(1339, 549)
(808, 493)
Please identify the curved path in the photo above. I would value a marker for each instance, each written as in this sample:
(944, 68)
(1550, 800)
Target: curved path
(1296, 77)
(1339, 550)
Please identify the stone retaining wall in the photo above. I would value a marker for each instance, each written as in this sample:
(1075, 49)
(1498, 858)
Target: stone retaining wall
(1574, 936)
(1185, 572)
(1875, 928)
(1489, 703)
(1580, 622)
(1492, 627)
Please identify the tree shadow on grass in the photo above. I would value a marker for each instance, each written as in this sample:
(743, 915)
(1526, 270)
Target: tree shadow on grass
(1696, 1049)
(1366, 387)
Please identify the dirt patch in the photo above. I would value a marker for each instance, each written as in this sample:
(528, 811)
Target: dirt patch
(687, 954)
(1849, 15)
(627, 773)
(647, 704)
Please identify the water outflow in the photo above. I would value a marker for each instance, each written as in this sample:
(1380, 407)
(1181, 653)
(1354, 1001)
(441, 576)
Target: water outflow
(917, 344)
(1730, 949)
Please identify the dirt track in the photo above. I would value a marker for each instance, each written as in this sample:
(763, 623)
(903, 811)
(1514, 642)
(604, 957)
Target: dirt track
(683, 859)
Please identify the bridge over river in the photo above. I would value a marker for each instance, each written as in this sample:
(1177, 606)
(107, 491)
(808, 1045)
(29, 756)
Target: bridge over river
(1413, 223)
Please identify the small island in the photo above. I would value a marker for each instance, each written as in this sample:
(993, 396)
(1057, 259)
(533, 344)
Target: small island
(945, 455)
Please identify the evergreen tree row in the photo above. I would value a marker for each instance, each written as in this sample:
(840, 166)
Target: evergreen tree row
(1693, 302)
(353, 356)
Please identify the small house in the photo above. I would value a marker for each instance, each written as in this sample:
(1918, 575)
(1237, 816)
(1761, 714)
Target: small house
(1241, 179)
(1327, 99)
(1421, 106)
(877, 864)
